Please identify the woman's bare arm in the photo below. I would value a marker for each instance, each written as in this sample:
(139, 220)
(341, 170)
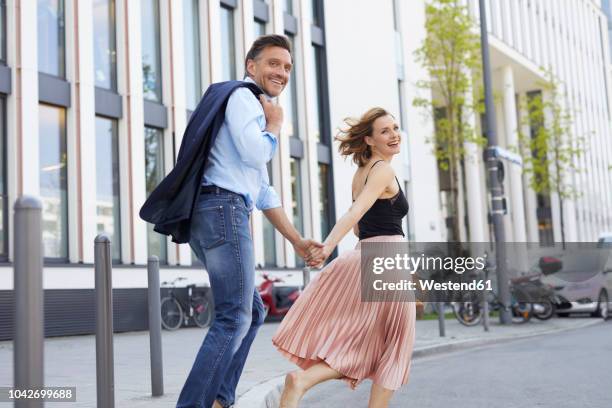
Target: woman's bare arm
(380, 177)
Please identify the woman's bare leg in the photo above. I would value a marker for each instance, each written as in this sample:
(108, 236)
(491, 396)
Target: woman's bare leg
(298, 382)
(379, 397)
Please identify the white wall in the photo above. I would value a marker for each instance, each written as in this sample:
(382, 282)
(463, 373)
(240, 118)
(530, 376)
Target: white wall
(360, 46)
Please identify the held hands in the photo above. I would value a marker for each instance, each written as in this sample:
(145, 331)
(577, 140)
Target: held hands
(274, 115)
(313, 252)
(318, 255)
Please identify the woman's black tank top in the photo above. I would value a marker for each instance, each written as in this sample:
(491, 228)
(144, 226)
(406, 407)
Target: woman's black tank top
(385, 215)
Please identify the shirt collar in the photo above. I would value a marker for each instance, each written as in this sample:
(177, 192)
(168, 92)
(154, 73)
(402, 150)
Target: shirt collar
(249, 79)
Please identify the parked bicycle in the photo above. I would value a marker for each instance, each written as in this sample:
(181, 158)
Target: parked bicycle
(175, 312)
(469, 310)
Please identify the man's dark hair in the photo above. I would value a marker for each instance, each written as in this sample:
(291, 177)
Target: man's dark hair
(270, 40)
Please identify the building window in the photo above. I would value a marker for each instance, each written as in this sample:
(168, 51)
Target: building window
(288, 6)
(315, 83)
(2, 31)
(53, 180)
(260, 28)
(193, 76)
(296, 203)
(51, 37)
(105, 48)
(228, 44)
(151, 51)
(291, 110)
(544, 217)
(107, 182)
(3, 187)
(324, 205)
(269, 233)
(154, 173)
(315, 9)
(544, 208)
(319, 122)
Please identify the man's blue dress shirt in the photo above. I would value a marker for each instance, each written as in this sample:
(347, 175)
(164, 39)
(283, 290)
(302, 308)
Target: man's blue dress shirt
(238, 158)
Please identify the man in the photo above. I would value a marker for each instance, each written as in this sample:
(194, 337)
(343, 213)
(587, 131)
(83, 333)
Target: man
(235, 180)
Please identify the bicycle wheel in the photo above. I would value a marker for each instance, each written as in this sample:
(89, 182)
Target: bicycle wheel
(171, 314)
(468, 313)
(521, 312)
(202, 311)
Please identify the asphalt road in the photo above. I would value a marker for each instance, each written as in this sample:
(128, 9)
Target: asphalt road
(568, 369)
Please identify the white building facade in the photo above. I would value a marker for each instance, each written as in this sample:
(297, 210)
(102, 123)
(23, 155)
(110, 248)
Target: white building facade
(94, 103)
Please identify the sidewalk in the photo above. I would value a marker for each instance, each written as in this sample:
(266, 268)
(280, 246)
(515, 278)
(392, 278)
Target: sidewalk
(70, 361)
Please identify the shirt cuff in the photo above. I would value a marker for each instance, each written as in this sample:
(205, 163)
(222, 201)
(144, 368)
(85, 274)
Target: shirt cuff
(268, 200)
(273, 143)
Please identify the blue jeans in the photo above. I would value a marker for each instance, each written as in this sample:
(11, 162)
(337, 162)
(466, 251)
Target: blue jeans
(221, 238)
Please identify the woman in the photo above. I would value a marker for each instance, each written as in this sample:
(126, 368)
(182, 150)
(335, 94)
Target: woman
(329, 332)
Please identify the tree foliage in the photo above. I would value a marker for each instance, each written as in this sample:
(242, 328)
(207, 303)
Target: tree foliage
(450, 52)
(551, 150)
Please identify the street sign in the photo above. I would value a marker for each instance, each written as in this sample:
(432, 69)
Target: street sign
(506, 154)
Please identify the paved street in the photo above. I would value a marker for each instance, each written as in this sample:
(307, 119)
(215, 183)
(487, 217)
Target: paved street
(70, 361)
(572, 369)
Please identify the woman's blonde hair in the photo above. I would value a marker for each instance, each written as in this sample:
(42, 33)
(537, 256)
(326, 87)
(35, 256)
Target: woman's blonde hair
(352, 139)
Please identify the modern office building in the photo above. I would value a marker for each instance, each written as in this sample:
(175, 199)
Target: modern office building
(95, 96)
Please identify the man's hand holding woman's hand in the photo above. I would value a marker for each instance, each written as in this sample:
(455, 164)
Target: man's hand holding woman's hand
(304, 247)
(318, 254)
(313, 252)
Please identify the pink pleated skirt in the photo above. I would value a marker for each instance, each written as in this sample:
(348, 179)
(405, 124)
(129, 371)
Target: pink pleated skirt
(360, 340)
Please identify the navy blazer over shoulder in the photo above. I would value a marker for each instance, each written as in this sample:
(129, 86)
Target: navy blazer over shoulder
(170, 205)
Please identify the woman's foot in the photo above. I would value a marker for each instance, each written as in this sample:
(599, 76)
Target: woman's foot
(293, 391)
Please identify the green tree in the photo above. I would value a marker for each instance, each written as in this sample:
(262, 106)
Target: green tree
(550, 151)
(450, 53)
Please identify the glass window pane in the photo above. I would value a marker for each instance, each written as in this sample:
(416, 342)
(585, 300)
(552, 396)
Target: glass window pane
(3, 187)
(3, 32)
(260, 28)
(51, 37)
(291, 111)
(228, 45)
(104, 43)
(193, 78)
(107, 183)
(269, 234)
(288, 6)
(315, 95)
(53, 180)
(151, 51)
(324, 209)
(296, 201)
(314, 10)
(154, 173)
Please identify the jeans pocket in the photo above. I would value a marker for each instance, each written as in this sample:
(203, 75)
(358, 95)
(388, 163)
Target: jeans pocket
(211, 231)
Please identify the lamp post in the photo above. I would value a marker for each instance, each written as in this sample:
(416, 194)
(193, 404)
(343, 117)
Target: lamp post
(495, 177)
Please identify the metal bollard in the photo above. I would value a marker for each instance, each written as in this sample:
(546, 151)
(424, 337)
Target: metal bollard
(104, 323)
(306, 276)
(29, 300)
(157, 371)
(441, 322)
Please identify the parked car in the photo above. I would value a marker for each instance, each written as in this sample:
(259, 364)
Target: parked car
(582, 281)
(605, 238)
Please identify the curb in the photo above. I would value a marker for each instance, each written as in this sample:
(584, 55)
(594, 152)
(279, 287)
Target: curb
(267, 393)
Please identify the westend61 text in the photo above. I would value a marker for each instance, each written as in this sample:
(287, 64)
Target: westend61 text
(430, 285)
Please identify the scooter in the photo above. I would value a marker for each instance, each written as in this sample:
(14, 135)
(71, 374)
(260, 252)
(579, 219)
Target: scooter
(276, 300)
